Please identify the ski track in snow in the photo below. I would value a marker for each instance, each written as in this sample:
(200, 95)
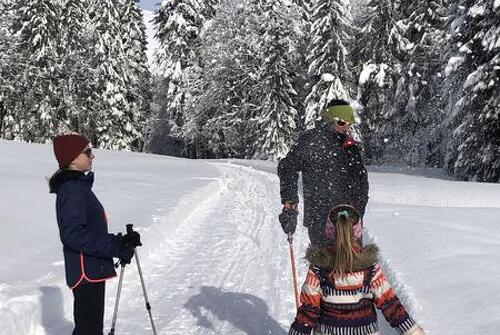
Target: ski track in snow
(217, 269)
(403, 292)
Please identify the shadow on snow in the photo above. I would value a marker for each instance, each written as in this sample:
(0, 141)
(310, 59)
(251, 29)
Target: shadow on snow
(244, 311)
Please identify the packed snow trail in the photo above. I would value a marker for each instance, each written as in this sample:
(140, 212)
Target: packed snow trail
(221, 268)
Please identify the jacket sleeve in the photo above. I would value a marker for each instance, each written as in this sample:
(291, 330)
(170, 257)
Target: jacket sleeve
(288, 173)
(386, 300)
(309, 310)
(360, 174)
(73, 227)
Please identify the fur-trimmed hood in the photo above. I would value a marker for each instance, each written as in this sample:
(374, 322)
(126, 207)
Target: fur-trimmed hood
(324, 257)
(65, 175)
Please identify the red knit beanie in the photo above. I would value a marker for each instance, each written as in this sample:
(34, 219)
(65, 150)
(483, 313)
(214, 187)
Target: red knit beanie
(68, 147)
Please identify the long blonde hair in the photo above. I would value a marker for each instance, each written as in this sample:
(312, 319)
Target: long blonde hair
(346, 245)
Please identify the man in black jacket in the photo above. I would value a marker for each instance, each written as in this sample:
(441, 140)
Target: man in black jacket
(332, 172)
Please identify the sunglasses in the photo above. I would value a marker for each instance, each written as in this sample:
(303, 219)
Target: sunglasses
(341, 123)
(87, 152)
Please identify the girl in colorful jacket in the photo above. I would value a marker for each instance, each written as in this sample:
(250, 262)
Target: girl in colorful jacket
(345, 284)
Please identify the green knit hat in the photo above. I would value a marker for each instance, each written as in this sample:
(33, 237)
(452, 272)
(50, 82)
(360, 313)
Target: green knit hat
(339, 112)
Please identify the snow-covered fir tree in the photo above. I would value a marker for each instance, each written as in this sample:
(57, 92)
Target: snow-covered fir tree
(304, 7)
(220, 101)
(77, 81)
(241, 94)
(178, 23)
(359, 6)
(8, 124)
(138, 85)
(413, 128)
(116, 115)
(39, 37)
(451, 84)
(328, 58)
(474, 148)
(378, 48)
(209, 9)
(302, 81)
(275, 116)
(74, 65)
(58, 59)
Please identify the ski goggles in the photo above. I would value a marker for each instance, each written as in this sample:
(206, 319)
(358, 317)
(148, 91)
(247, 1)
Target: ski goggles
(344, 113)
(341, 123)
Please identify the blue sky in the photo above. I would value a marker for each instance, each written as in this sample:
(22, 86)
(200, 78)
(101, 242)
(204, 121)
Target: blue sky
(149, 4)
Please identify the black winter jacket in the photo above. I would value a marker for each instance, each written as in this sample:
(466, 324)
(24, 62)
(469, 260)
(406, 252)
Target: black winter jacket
(332, 173)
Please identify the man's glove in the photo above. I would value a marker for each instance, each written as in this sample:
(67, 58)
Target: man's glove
(132, 239)
(288, 220)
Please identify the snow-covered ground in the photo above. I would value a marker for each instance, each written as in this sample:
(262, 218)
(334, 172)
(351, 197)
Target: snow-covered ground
(214, 258)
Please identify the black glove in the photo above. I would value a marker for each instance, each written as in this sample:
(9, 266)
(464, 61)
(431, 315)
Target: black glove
(125, 254)
(288, 219)
(132, 239)
(123, 250)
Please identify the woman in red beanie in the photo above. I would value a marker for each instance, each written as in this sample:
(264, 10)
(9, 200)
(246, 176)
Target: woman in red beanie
(87, 246)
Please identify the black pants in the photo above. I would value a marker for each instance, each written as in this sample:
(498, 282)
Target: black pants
(88, 309)
(317, 235)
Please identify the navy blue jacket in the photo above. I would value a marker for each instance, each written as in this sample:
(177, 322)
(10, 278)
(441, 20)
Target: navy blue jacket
(83, 229)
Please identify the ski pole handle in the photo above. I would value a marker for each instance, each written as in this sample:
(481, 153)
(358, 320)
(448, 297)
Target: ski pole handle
(129, 228)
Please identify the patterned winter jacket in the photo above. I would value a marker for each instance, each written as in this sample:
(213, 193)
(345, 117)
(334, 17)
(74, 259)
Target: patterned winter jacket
(88, 248)
(332, 173)
(347, 306)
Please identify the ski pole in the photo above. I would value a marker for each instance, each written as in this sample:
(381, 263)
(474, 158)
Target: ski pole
(148, 305)
(294, 275)
(115, 312)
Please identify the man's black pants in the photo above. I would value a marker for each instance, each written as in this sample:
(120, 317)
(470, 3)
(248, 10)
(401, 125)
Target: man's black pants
(88, 309)
(317, 235)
